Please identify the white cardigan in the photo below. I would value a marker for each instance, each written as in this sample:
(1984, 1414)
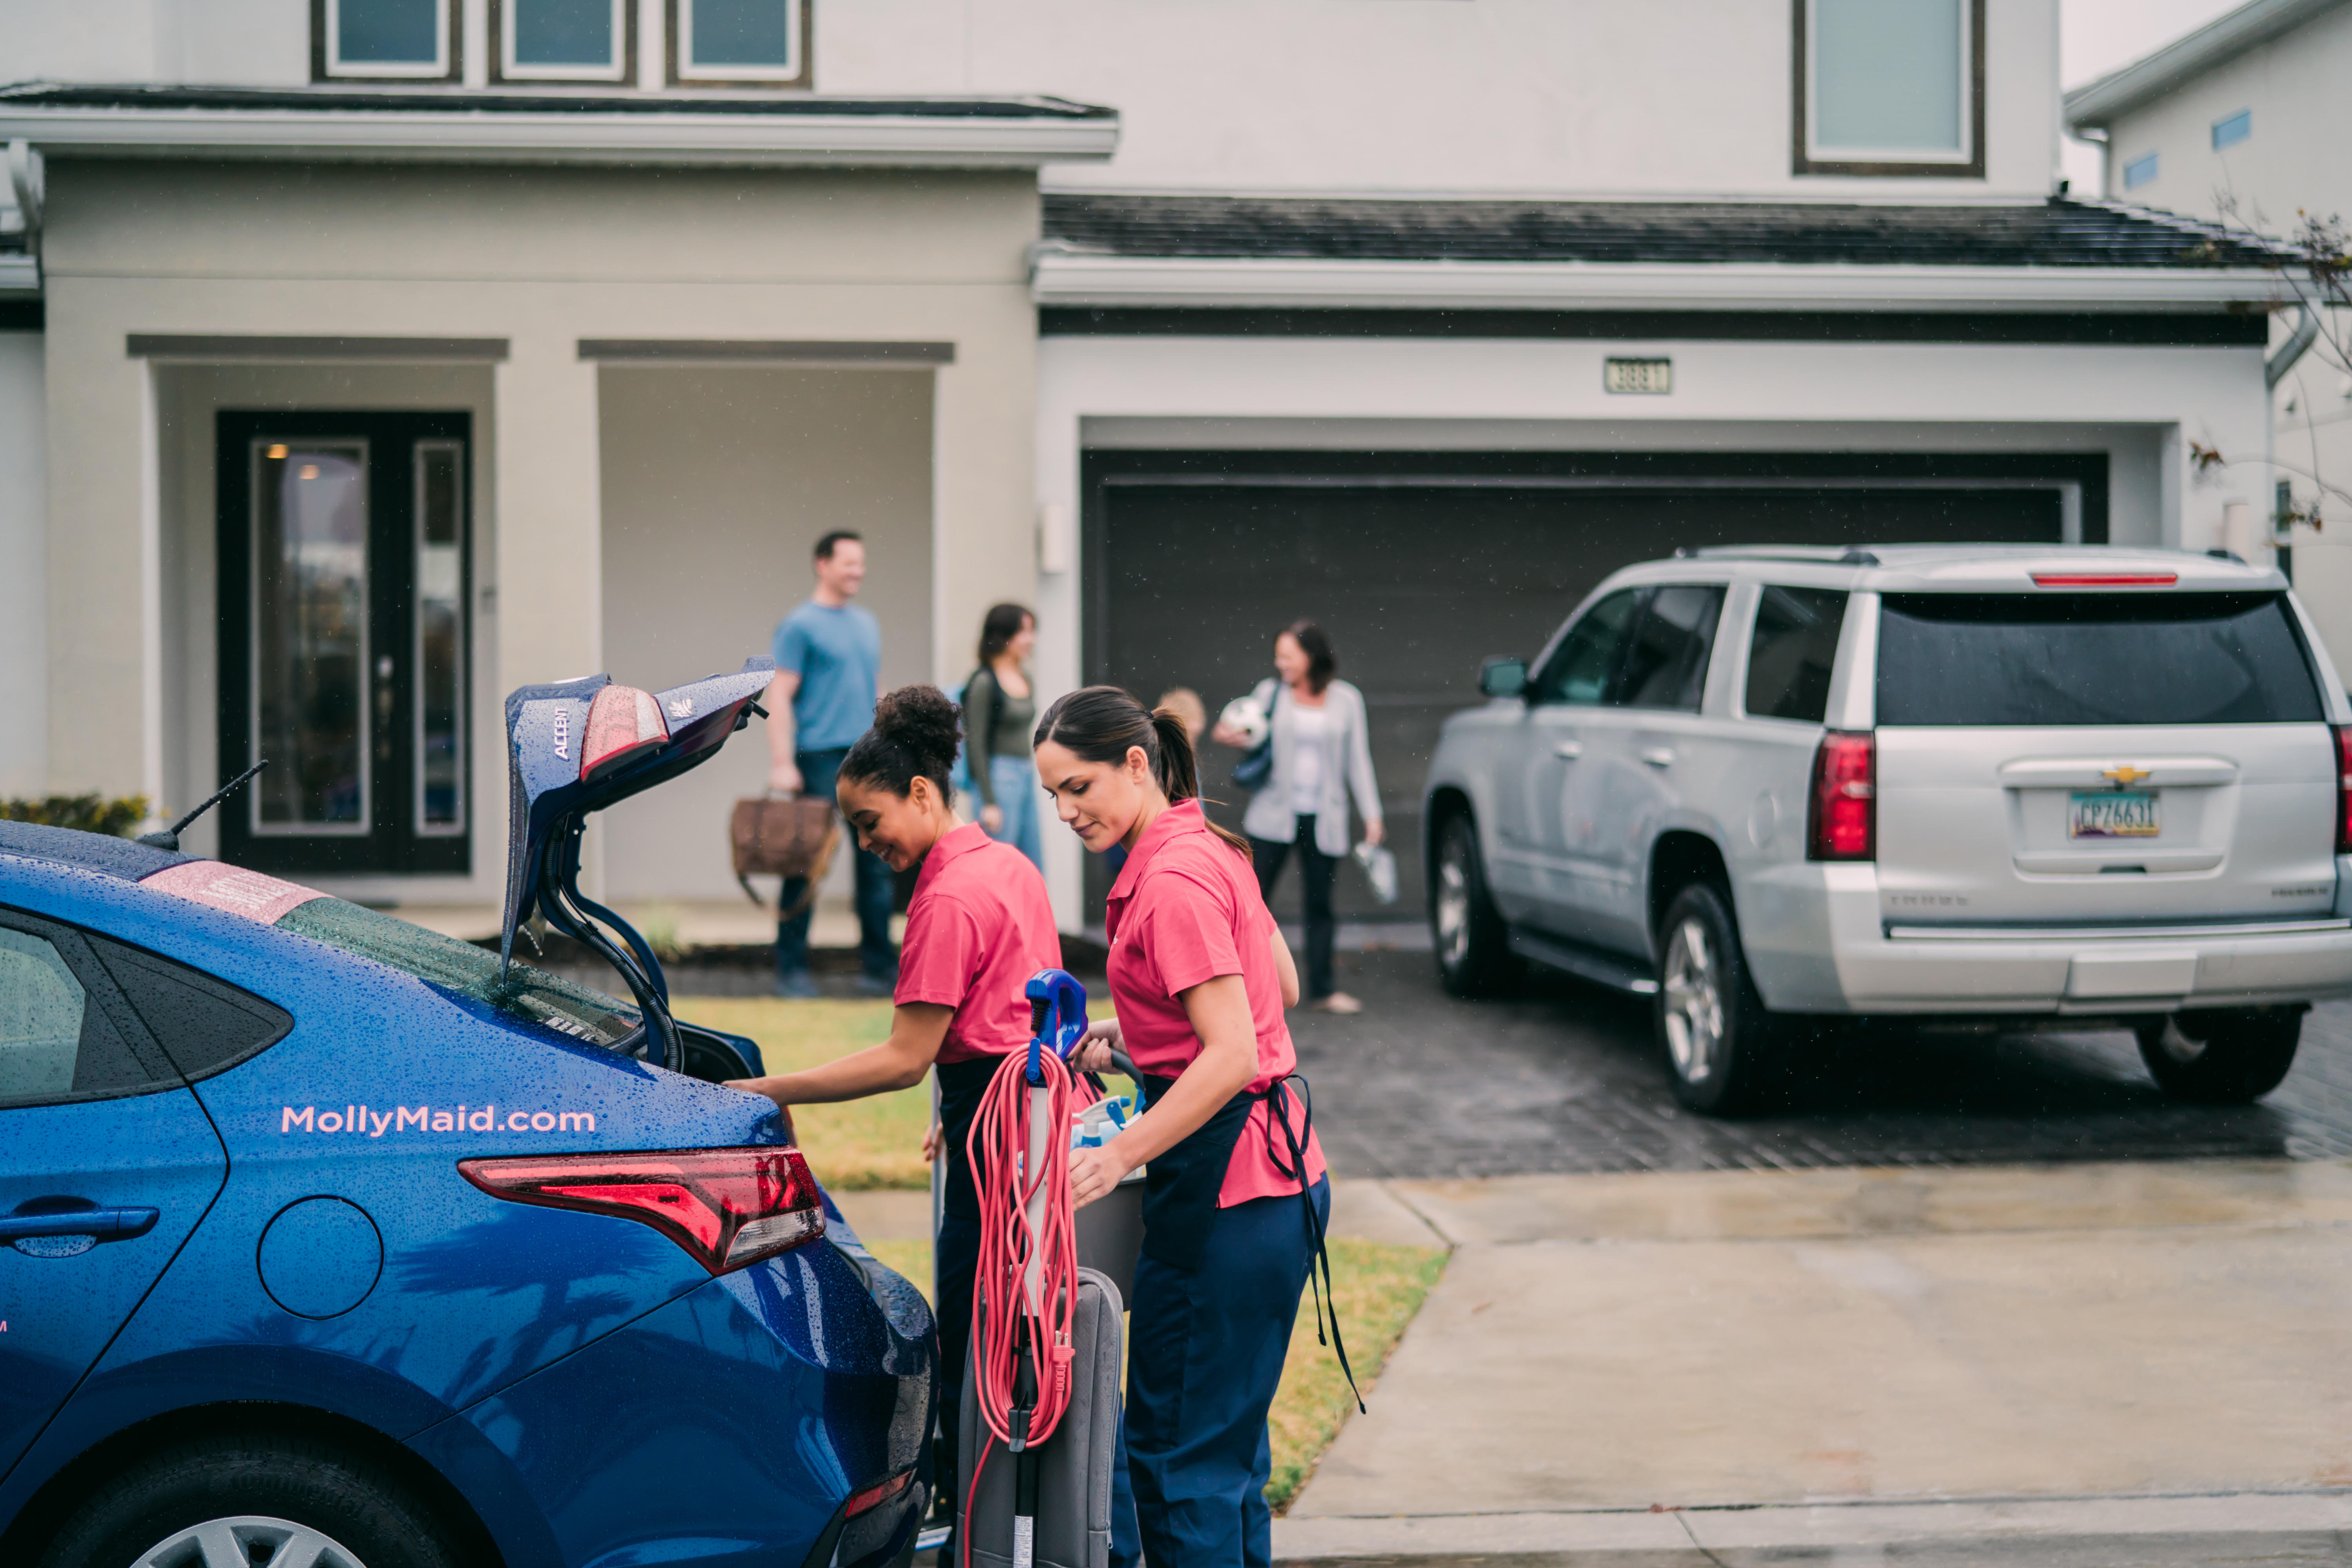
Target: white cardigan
(1346, 768)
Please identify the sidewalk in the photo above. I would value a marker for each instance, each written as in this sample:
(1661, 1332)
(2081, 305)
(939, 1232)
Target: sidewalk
(2123, 1362)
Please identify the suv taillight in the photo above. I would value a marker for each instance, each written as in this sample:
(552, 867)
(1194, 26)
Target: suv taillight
(728, 1207)
(1843, 822)
(2344, 791)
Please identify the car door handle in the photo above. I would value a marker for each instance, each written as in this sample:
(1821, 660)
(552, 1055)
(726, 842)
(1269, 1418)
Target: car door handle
(1659, 756)
(1568, 751)
(107, 1225)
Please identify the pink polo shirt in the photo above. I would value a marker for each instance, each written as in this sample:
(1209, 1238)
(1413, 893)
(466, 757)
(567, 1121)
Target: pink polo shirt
(979, 926)
(1186, 909)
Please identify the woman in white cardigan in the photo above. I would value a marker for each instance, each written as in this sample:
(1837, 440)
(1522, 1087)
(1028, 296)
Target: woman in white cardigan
(1322, 754)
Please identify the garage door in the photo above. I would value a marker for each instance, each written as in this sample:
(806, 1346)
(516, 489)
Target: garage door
(1191, 574)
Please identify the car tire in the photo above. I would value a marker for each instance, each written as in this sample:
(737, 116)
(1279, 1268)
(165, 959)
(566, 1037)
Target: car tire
(2221, 1056)
(1474, 945)
(1721, 1045)
(204, 1502)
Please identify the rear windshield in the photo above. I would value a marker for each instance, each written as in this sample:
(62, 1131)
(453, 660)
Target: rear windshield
(2093, 658)
(472, 973)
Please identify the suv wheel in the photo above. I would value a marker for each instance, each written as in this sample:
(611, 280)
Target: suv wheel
(1719, 1041)
(242, 1500)
(2221, 1056)
(1474, 946)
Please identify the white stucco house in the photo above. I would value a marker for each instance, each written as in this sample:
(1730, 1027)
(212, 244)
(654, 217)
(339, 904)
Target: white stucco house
(2249, 112)
(1179, 322)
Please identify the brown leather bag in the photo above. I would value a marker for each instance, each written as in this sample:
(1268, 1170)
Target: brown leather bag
(783, 836)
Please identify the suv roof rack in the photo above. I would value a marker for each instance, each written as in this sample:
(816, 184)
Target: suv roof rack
(1828, 554)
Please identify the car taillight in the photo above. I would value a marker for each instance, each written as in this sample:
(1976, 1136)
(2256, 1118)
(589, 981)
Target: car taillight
(728, 1207)
(872, 1496)
(2344, 791)
(2106, 579)
(1843, 822)
(623, 723)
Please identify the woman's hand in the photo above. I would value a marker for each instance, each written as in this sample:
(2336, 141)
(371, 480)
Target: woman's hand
(1095, 1046)
(931, 1143)
(765, 1087)
(1095, 1171)
(1375, 830)
(992, 820)
(1227, 734)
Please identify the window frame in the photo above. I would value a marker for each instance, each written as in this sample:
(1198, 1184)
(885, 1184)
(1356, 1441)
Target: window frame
(1968, 163)
(678, 18)
(622, 73)
(326, 30)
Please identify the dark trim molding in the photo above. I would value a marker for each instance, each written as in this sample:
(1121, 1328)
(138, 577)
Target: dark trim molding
(2202, 329)
(734, 350)
(496, 50)
(198, 346)
(1801, 161)
(320, 73)
(804, 82)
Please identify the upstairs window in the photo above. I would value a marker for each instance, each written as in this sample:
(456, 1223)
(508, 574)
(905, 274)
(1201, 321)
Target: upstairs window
(1890, 87)
(564, 40)
(412, 39)
(738, 43)
(2233, 129)
(2140, 171)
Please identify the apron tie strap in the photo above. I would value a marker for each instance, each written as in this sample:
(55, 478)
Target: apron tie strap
(1326, 1300)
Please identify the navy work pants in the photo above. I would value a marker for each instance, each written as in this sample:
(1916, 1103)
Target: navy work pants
(1201, 1374)
(874, 886)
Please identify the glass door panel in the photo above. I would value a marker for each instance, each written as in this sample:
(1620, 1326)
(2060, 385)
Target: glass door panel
(310, 637)
(344, 654)
(440, 766)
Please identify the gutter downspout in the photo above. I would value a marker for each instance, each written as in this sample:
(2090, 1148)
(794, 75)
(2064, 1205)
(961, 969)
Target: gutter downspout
(2276, 369)
(25, 179)
(2305, 333)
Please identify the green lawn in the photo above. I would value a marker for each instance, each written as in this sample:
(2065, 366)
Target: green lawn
(853, 1147)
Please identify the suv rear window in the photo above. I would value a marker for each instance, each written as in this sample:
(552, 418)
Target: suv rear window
(2093, 658)
(532, 996)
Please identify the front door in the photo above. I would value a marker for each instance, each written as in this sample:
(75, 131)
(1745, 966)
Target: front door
(344, 652)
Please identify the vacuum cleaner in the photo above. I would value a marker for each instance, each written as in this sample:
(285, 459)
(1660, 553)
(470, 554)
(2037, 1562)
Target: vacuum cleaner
(1041, 1392)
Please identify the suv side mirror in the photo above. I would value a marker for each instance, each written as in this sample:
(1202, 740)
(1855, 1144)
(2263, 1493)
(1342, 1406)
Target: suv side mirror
(1503, 677)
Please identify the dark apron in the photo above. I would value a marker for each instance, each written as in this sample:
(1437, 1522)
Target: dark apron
(963, 1086)
(1180, 1187)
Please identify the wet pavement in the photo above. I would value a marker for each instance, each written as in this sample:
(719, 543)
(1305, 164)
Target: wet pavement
(1562, 1077)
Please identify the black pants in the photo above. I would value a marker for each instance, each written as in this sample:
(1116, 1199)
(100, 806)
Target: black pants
(1316, 871)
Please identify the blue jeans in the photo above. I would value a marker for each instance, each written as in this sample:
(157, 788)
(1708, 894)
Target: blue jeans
(1014, 779)
(1201, 1374)
(873, 878)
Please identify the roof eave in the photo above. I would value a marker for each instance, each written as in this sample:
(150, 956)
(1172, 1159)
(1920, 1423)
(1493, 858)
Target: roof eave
(459, 136)
(2215, 44)
(1063, 276)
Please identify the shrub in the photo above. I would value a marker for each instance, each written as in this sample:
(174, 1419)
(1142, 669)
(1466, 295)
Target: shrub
(90, 813)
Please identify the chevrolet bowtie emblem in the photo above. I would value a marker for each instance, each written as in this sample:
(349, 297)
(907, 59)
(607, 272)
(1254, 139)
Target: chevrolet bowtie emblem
(2126, 775)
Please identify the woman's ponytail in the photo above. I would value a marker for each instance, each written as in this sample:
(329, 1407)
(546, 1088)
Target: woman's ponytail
(1098, 723)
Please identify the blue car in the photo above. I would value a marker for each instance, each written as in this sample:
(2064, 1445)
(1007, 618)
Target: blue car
(327, 1240)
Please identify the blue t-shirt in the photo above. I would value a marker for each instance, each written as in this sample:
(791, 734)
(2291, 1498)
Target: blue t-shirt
(838, 653)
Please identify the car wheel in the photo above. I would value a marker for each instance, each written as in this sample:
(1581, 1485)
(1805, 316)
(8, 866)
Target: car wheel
(1721, 1043)
(2221, 1056)
(249, 1500)
(1474, 946)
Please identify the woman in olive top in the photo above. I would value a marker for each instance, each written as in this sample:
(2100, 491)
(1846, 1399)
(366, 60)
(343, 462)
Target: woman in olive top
(999, 709)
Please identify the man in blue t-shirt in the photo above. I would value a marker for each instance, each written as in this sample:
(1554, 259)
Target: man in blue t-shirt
(828, 663)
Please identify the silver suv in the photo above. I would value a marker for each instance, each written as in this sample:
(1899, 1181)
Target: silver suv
(1997, 787)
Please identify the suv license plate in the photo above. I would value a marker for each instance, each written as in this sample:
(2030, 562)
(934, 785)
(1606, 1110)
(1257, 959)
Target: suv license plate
(2113, 813)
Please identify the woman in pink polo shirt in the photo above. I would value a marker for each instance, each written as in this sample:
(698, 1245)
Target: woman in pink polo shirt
(978, 928)
(1235, 1196)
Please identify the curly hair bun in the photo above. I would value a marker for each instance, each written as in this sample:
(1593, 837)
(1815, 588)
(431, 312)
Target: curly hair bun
(921, 721)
